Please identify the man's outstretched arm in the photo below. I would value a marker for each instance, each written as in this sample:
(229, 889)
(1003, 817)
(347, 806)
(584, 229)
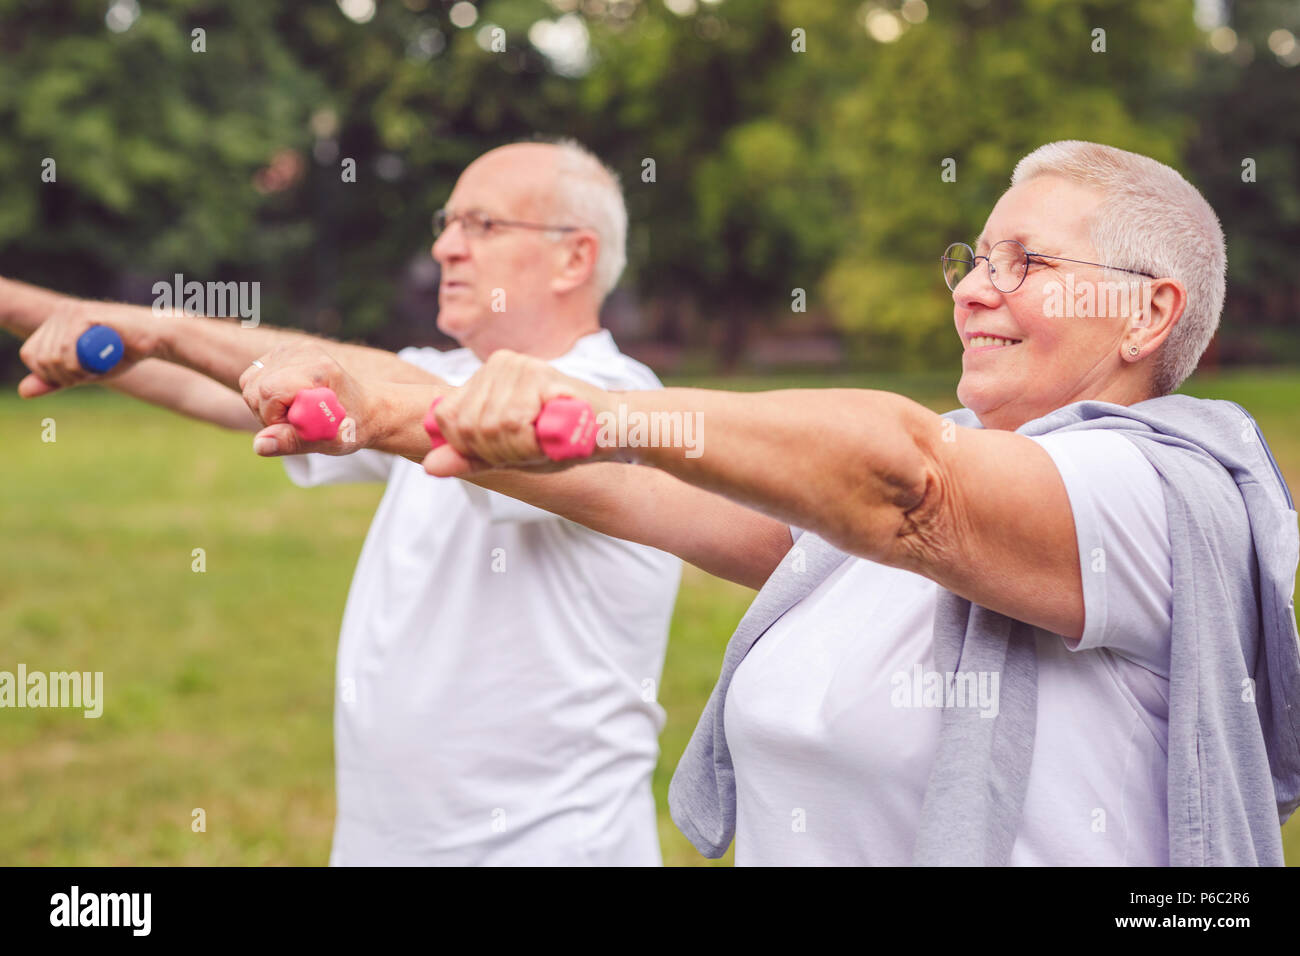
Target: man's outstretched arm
(25, 308)
(185, 392)
(653, 508)
(219, 349)
(636, 504)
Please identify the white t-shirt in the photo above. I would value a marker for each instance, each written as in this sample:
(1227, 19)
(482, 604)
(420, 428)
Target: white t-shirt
(497, 668)
(833, 741)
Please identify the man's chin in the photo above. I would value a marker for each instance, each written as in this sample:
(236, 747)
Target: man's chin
(455, 323)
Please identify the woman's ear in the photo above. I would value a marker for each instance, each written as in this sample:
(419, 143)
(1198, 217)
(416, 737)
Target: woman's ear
(1162, 302)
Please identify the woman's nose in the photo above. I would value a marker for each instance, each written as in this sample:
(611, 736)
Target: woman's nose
(977, 285)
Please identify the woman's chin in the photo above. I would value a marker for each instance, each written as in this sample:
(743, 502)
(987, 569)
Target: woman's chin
(990, 404)
(973, 394)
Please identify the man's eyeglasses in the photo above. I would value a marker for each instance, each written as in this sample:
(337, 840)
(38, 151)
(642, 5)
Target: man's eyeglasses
(477, 225)
(1008, 264)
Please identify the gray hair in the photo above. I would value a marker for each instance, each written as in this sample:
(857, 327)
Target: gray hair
(588, 194)
(1152, 220)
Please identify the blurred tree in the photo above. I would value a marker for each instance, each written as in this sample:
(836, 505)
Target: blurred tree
(1248, 94)
(980, 84)
(155, 147)
(796, 144)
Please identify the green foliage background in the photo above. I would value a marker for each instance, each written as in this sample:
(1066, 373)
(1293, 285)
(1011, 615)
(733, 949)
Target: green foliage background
(775, 169)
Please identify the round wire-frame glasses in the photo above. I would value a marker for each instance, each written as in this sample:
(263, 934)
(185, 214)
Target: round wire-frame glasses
(1008, 263)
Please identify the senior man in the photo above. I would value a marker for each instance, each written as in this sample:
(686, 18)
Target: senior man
(1054, 626)
(498, 666)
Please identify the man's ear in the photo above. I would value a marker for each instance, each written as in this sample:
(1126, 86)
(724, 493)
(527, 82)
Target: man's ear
(1162, 302)
(578, 255)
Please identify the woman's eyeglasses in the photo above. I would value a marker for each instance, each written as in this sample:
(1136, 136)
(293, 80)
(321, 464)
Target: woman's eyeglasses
(1008, 264)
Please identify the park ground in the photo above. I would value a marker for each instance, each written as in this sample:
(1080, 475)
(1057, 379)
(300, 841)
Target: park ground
(221, 683)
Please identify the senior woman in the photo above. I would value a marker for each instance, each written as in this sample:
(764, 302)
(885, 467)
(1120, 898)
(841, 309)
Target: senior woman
(1052, 627)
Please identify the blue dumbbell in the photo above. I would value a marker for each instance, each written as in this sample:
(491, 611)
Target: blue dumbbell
(99, 348)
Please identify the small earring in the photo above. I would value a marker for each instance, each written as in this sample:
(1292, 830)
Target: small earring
(1133, 350)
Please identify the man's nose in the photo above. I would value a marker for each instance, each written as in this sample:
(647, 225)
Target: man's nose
(451, 244)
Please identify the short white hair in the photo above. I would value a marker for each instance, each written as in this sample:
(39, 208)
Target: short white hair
(588, 194)
(1152, 220)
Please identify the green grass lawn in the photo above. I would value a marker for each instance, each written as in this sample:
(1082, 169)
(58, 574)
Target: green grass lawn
(220, 684)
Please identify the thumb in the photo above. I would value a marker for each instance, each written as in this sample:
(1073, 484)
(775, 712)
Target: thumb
(33, 387)
(276, 440)
(446, 462)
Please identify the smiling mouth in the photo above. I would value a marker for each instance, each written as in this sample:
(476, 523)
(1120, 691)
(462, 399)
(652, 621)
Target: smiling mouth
(989, 341)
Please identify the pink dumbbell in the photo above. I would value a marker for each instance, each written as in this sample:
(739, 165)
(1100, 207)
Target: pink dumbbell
(565, 428)
(316, 414)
